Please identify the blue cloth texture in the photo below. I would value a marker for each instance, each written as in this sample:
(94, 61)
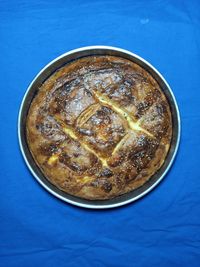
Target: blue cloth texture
(162, 228)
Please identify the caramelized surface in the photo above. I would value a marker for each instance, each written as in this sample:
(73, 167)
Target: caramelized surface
(99, 127)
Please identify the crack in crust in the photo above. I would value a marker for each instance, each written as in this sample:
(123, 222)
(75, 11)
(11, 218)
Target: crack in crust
(86, 114)
(120, 144)
(71, 132)
(133, 125)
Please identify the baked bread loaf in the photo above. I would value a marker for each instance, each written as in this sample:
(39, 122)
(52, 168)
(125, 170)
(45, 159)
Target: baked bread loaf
(99, 127)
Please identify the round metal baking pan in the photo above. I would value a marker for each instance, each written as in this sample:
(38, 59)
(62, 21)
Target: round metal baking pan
(32, 91)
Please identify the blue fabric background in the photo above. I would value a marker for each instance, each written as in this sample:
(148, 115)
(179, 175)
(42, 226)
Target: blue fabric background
(163, 228)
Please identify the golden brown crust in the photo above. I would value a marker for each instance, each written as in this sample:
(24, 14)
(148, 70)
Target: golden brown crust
(99, 127)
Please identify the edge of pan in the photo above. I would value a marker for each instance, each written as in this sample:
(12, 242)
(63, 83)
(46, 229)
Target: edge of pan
(32, 90)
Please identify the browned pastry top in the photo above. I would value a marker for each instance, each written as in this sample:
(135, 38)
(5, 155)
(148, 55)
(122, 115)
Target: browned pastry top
(99, 127)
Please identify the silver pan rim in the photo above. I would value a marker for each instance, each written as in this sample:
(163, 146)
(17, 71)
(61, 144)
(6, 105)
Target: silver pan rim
(91, 204)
